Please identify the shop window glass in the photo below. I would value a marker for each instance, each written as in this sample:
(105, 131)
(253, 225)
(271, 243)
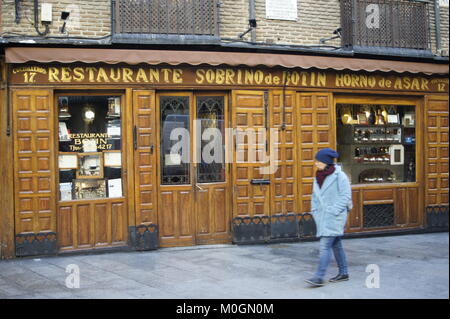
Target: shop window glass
(175, 141)
(377, 143)
(90, 156)
(210, 114)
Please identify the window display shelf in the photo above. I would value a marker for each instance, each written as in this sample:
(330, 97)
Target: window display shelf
(377, 153)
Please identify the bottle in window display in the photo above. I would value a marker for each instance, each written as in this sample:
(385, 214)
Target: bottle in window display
(380, 118)
(372, 117)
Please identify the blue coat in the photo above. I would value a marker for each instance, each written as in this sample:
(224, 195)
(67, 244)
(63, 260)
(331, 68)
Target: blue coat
(331, 203)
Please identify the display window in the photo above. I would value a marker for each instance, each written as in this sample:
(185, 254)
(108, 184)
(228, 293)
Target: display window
(377, 142)
(90, 156)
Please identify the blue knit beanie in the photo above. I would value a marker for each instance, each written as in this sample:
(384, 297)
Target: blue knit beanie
(326, 155)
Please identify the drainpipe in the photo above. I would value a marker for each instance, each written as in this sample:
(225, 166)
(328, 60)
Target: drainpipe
(252, 16)
(437, 24)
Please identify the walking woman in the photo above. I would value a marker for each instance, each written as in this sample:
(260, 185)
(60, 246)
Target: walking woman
(331, 201)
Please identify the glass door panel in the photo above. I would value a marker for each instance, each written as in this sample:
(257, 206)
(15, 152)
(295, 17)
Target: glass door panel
(175, 141)
(211, 117)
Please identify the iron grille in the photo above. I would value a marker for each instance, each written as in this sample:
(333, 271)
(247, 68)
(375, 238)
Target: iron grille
(171, 17)
(385, 23)
(381, 215)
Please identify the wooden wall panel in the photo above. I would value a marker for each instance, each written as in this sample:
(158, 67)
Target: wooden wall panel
(249, 109)
(283, 184)
(144, 156)
(34, 154)
(437, 144)
(98, 223)
(354, 219)
(315, 131)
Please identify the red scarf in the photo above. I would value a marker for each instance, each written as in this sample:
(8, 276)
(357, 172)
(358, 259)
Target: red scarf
(321, 175)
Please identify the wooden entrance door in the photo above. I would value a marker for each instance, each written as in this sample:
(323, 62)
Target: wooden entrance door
(250, 114)
(192, 197)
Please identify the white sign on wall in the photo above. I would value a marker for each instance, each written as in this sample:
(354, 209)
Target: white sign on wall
(443, 3)
(281, 9)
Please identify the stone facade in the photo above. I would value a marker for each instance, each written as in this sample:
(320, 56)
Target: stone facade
(87, 18)
(316, 19)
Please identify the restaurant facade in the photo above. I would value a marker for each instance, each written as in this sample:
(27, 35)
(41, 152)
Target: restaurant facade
(141, 149)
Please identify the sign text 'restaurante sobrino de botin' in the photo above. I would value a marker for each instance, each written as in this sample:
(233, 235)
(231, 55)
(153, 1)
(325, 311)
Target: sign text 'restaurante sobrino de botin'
(228, 77)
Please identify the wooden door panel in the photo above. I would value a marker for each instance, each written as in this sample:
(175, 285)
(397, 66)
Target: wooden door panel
(212, 218)
(315, 131)
(437, 144)
(283, 183)
(176, 217)
(34, 158)
(144, 105)
(249, 112)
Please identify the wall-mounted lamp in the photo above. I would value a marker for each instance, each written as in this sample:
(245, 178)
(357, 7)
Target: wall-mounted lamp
(252, 25)
(64, 17)
(338, 33)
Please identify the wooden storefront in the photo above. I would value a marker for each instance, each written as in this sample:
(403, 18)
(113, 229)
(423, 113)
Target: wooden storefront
(128, 192)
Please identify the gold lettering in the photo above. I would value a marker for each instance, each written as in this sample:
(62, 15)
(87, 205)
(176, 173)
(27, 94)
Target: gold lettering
(229, 77)
(259, 77)
(407, 83)
(115, 77)
(141, 76)
(415, 84)
(268, 79)
(304, 77)
(91, 71)
(248, 77)
(355, 81)
(239, 81)
(313, 78)
(210, 76)
(154, 75)
(102, 75)
(78, 74)
(372, 81)
(53, 75)
(276, 80)
(200, 76)
(388, 83)
(339, 80)
(177, 73)
(347, 80)
(220, 76)
(166, 73)
(65, 74)
(321, 79)
(127, 75)
(424, 85)
(363, 81)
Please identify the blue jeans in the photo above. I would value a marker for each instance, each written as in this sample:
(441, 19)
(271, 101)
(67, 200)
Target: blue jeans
(326, 244)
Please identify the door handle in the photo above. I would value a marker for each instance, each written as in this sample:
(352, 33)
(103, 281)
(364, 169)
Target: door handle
(199, 187)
